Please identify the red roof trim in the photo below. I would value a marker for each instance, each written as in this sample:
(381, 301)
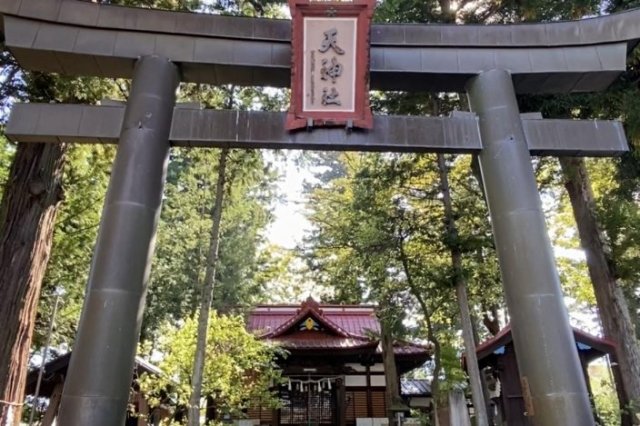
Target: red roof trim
(584, 337)
(334, 306)
(295, 311)
(310, 308)
(320, 344)
(504, 337)
(403, 348)
(488, 346)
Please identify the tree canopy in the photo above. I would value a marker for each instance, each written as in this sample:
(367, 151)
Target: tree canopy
(239, 369)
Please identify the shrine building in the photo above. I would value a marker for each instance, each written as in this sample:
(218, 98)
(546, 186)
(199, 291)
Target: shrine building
(334, 373)
(497, 358)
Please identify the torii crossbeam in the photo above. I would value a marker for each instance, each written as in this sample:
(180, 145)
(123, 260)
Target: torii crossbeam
(160, 48)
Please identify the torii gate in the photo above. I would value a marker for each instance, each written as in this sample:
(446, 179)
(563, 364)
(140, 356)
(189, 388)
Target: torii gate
(160, 48)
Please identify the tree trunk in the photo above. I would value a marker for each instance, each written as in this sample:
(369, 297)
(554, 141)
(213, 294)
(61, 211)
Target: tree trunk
(207, 294)
(452, 242)
(612, 305)
(492, 323)
(54, 405)
(392, 388)
(437, 367)
(431, 335)
(27, 217)
(437, 348)
(634, 310)
(458, 412)
(142, 411)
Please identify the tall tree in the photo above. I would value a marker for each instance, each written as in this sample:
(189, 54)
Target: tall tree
(453, 243)
(378, 236)
(612, 305)
(207, 294)
(389, 321)
(85, 178)
(28, 213)
(31, 197)
(183, 236)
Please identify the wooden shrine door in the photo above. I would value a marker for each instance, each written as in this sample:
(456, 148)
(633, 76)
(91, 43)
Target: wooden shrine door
(310, 406)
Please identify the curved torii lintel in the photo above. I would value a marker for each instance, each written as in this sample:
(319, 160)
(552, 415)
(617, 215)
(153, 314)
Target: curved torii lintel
(81, 38)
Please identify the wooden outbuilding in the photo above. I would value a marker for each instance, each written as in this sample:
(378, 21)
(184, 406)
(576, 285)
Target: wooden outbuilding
(497, 357)
(55, 372)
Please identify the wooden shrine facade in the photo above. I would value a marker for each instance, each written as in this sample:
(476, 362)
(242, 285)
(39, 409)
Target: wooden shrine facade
(334, 373)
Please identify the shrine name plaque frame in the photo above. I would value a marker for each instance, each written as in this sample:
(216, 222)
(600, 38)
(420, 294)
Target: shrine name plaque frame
(330, 64)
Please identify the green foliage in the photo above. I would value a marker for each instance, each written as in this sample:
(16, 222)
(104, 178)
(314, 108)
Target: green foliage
(484, 11)
(379, 237)
(7, 150)
(268, 8)
(85, 182)
(452, 373)
(184, 233)
(619, 5)
(395, 11)
(239, 369)
(283, 277)
(185, 222)
(604, 395)
(85, 179)
(159, 4)
(509, 11)
(378, 231)
(388, 203)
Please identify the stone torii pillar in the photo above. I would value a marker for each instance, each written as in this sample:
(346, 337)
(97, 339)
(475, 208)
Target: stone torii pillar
(554, 381)
(96, 389)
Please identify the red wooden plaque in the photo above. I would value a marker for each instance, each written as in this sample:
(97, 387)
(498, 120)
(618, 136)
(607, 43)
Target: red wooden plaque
(330, 66)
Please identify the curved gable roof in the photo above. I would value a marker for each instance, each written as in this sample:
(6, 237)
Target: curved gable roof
(342, 320)
(309, 309)
(343, 328)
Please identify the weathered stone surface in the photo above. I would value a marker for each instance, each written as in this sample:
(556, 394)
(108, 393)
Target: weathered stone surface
(77, 38)
(253, 129)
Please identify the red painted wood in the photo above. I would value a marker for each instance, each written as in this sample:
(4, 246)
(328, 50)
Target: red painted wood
(361, 117)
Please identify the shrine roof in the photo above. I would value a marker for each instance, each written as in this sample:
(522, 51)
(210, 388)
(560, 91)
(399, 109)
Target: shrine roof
(415, 387)
(346, 320)
(56, 369)
(410, 348)
(331, 327)
(591, 346)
